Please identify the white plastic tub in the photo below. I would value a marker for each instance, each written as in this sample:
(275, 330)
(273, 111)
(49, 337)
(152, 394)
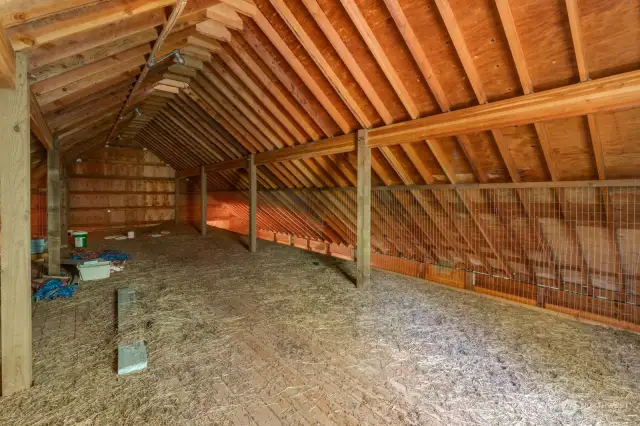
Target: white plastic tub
(94, 270)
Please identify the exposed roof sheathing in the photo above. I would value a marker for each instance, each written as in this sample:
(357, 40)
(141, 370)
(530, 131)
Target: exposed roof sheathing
(269, 74)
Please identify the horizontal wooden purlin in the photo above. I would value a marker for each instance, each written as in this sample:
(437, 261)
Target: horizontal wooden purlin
(121, 192)
(509, 185)
(239, 163)
(523, 185)
(102, 225)
(109, 208)
(119, 177)
(607, 94)
(335, 145)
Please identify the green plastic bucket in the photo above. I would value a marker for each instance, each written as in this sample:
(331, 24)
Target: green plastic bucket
(80, 239)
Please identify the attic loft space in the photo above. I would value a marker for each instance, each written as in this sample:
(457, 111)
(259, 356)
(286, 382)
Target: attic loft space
(320, 211)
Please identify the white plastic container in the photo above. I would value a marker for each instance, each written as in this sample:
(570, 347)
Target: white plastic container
(94, 270)
(131, 235)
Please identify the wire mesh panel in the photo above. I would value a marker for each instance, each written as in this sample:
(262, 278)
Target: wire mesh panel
(564, 248)
(321, 215)
(318, 215)
(38, 213)
(573, 249)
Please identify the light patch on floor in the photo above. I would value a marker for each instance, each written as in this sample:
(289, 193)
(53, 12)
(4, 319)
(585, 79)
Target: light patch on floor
(283, 337)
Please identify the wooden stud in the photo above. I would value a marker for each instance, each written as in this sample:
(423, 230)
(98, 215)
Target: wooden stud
(176, 202)
(363, 245)
(203, 201)
(53, 208)
(253, 203)
(597, 146)
(64, 206)
(15, 239)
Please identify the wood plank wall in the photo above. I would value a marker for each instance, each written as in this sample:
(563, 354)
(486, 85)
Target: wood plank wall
(120, 188)
(189, 201)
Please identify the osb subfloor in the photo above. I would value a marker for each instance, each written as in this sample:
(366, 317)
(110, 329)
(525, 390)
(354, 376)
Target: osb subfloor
(283, 337)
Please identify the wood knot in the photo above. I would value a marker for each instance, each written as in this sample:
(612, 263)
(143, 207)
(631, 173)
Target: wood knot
(16, 128)
(20, 17)
(28, 41)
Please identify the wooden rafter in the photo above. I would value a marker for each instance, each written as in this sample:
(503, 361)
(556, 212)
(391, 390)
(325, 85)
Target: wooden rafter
(518, 56)
(297, 66)
(352, 65)
(383, 61)
(576, 35)
(606, 94)
(323, 65)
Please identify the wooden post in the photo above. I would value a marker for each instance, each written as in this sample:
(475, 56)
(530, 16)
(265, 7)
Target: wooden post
(363, 247)
(176, 202)
(203, 201)
(540, 297)
(253, 204)
(64, 207)
(15, 239)
(53, 208)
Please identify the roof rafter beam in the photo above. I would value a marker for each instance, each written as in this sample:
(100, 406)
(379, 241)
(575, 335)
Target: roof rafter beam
(304, 75)
(381, 58)
(605, 94)
(576, 35)
(317, 56)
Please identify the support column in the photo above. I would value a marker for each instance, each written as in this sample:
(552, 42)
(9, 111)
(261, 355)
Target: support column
(53, 208)
(15, 238)
(203, 201)
(363, 246)
(253, 204)
(176, 202)
(64, 208)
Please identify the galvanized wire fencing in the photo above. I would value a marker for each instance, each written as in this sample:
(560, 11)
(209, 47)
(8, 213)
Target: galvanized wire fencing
(566, 248)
